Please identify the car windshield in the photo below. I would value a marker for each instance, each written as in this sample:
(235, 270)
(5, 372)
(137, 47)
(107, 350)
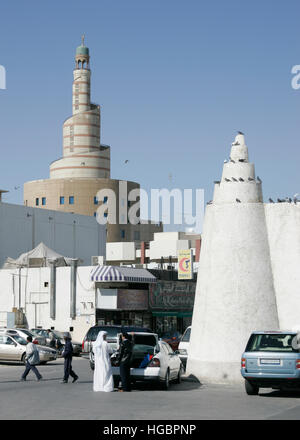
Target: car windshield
(186, 336)
(26, 332)
(112, 332)
(19, 340)
(149, 340)
(271, 342)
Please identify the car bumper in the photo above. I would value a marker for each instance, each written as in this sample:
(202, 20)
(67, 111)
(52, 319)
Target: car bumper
(264, 380)
(147, 374)
(47, 357)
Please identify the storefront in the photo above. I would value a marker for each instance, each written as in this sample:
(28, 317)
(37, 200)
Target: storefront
(122, 296)
(171, 304)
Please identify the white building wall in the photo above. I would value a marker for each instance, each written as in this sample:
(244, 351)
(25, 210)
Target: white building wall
(22, 228)
(283, 222)
(35, 298)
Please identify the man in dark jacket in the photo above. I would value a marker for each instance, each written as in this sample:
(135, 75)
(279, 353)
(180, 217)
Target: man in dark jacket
(126, 348)
(67, 355)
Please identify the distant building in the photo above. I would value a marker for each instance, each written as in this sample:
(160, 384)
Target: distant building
(84, 168)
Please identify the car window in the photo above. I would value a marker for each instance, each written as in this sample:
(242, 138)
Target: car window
(2, 339)
(20, 340)
(271, 342)
(187, 335)
(112, 332)
(165, 348)
(9, 341)
(145, 340)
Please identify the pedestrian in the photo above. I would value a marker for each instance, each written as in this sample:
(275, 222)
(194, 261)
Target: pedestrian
(67, 355)
(52, 338)
(125, 356)
(32, 359)
(103, 378)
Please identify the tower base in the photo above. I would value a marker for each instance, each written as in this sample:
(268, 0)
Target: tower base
(215, 372)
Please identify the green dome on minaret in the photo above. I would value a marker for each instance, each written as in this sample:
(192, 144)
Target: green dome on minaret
(82, 50)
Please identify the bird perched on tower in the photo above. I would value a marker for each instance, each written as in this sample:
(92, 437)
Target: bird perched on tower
(271, 201)
(234, 179)
(241, 179)
(238, 200)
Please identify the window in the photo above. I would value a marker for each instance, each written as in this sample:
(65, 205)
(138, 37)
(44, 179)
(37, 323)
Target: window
(271, 342)
(186, 336)
(71, 200)
(43, 200)
(105, 215)
(36, 202)
(122, 233)
(95, 214)
(105, 199)
(62, 200)
(95, 200)
(137, 236)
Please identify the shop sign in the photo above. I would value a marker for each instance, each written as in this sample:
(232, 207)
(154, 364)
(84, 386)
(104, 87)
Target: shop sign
(185, 264)
(132, 299)
(172, 295)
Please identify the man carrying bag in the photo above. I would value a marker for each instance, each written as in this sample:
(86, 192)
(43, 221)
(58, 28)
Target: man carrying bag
(32, 359)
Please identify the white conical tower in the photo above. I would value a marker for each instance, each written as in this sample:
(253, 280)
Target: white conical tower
(235, 293)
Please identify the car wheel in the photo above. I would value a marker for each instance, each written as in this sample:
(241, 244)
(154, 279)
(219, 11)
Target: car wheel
(251, 390)
(23, 358)
(43, 363)
(166, 382)
(92, 365)
(178, 380)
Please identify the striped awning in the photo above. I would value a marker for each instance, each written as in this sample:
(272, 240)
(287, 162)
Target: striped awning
(116, 273)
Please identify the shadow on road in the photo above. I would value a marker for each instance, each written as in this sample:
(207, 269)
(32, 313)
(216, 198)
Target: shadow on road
(278, 393)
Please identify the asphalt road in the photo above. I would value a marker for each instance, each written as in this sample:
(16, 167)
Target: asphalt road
(49, 399)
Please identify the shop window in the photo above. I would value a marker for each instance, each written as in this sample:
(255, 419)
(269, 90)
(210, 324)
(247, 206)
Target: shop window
(95, 200)
(122, 233)
(43, 201)
(71, 200)
(37, 202)
(61, 200)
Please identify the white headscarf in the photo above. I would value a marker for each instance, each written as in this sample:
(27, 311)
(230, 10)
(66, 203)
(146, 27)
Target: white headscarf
(98, 344)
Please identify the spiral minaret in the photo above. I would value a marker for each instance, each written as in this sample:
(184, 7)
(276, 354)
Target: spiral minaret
(83, 155)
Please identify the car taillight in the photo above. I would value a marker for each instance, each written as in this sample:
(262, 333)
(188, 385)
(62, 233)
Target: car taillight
(35, 342)
(298, 364)
(154, 363)
(243, 363)
(82, 345)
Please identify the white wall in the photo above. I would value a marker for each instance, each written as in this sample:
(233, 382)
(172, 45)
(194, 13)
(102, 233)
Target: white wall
(22, 228)
(35, 298)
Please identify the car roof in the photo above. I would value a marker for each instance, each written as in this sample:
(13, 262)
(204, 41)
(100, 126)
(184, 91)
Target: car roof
(275, 332)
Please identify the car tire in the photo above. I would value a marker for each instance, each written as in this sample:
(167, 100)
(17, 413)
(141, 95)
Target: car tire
(43, 363)
(251, 390)
(23, 360)
(92, 365)
(166, 382)
(178, 380)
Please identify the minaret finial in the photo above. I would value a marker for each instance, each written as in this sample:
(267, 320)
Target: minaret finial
(82, 39)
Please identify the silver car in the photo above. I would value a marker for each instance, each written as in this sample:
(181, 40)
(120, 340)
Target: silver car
(13, 348)
(152, 361)
(24, 333)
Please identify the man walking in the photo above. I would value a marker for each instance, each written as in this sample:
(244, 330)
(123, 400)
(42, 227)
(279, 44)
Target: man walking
(32, 359)
(67, 355)
(125, 356)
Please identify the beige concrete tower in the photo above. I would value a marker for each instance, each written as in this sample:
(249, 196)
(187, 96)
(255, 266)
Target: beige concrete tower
(83, 156)
(84, 167)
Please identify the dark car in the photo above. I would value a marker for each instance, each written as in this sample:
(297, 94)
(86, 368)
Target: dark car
(172, 338)
(112, 337)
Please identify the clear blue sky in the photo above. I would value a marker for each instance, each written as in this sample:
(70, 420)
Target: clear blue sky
(175, 80)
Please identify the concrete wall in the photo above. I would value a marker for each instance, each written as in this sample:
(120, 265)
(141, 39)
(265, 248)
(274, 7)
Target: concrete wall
(23, 228)
(35, 298)
(283, 222)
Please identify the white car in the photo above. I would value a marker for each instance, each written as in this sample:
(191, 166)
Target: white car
(152, 361)
(24, 333)
(184, 345)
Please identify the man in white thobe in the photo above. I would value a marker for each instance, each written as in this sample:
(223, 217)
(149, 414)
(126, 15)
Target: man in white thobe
(103, 378)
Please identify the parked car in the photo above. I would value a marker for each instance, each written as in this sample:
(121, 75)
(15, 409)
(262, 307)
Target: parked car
(152, 361)
(77, 346)
(184, 346)
(24, 333)
(112, 337)
(271, 360)
(13, 348)
(172, 338)
(60, 342)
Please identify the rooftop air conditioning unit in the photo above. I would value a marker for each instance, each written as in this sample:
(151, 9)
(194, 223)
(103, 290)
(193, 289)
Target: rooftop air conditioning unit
(98, 260)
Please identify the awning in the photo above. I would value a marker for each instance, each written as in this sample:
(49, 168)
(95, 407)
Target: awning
(127, 274)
